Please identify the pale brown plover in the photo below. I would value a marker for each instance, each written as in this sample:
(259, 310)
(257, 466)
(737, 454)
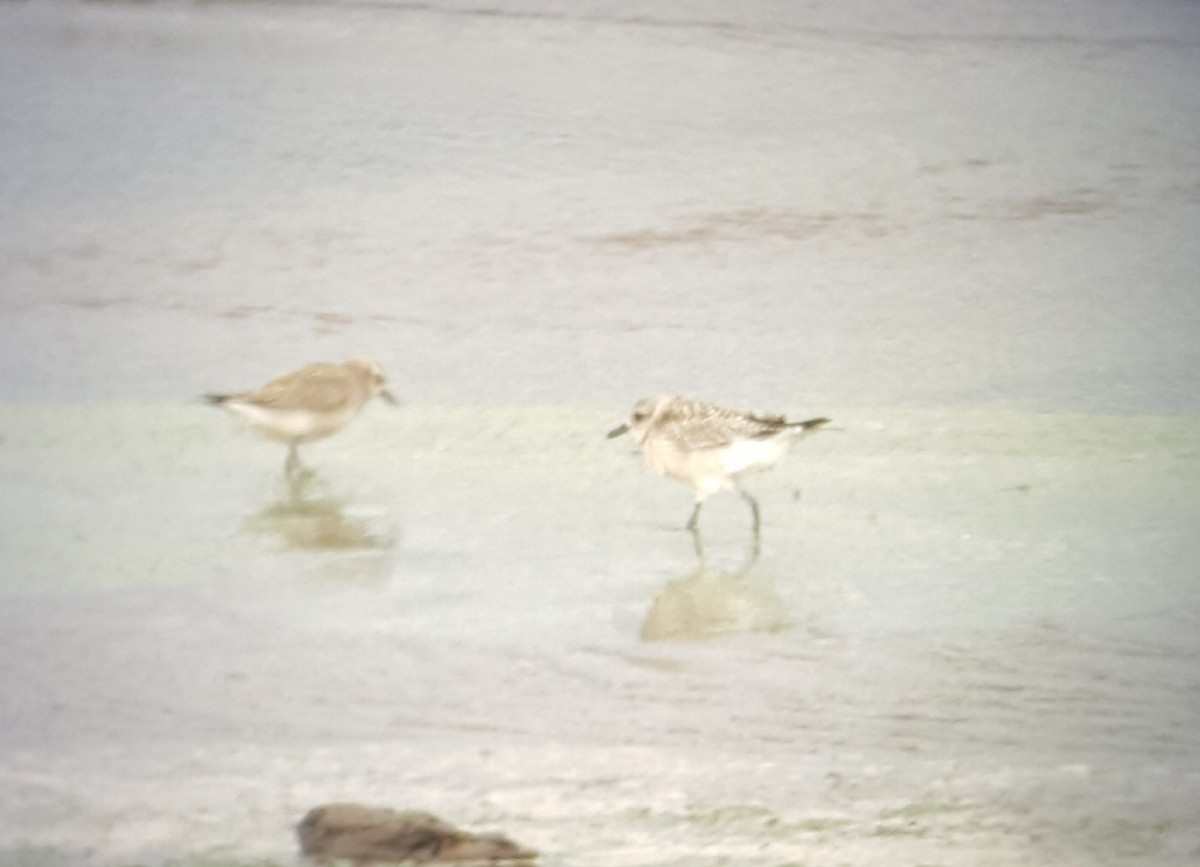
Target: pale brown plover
(308, 404)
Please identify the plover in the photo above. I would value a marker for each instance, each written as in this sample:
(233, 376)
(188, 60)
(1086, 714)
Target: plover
(710, 447)
(308, 404)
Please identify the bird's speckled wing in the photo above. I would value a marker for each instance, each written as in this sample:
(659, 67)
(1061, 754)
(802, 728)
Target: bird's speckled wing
(318, 388)
(690, 425)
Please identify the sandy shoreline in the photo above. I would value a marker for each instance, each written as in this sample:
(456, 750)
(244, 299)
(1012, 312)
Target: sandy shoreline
(965, 235)
(559, 210)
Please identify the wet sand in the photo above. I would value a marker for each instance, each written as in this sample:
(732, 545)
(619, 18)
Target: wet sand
(971, 637)
(495, 614)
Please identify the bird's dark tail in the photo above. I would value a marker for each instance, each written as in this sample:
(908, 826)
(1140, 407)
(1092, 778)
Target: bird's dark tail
(810, 424)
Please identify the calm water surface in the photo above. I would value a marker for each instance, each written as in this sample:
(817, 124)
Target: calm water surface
(973, 633)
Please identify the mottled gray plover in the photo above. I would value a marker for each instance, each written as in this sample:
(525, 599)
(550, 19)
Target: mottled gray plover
(710, 447)
(308, 404)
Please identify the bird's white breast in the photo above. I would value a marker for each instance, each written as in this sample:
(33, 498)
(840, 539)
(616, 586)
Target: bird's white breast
(291, 424)
(753, 454)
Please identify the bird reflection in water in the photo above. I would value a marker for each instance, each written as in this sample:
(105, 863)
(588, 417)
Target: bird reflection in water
(711, 602)
(309, 520)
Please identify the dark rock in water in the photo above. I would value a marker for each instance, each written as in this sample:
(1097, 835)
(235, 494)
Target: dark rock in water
(368, 834)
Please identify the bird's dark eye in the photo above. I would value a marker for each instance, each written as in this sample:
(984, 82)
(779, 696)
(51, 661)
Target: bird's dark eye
(639, 416)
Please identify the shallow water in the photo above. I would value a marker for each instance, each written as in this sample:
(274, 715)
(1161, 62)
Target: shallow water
(1000, 668)
(972, 634)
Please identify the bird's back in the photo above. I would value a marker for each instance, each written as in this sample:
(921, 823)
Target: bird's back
(690, 425)
(316, 388)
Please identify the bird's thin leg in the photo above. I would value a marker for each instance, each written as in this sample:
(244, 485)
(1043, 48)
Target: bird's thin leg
(694, 521)
(292, 465)
(698, 542)
(757, 520)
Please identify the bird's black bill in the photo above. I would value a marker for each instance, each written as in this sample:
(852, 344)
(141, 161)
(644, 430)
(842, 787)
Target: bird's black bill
(617, 431)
